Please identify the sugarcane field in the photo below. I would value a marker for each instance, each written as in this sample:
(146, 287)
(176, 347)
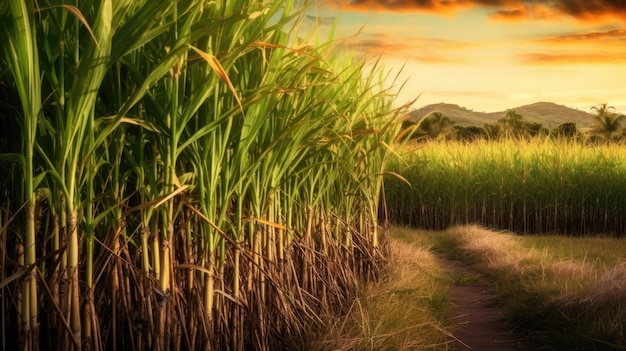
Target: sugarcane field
(244, 175)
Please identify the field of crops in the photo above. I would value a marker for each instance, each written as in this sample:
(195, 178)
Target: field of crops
(182, 174)
(536, 186)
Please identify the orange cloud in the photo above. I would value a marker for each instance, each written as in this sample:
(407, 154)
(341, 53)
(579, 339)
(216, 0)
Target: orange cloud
(511, 14)
(585, 10)
(433, 6)
(595, 47)
(572, 58)
(592, 10)
(521, 13)
(613, 36)
(420, 49)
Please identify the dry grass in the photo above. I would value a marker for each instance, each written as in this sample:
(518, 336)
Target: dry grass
(558, 289)
(405, 311)
(562, 296)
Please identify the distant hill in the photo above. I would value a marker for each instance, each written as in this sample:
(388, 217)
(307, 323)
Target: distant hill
(547, 113)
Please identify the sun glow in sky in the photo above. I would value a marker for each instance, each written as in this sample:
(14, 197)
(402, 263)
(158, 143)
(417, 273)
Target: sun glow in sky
(491, 55)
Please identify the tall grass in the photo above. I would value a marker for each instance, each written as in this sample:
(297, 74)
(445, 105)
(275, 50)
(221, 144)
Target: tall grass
(538, 186)
(183, 174)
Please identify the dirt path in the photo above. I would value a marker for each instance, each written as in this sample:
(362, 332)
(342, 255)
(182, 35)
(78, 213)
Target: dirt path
(478, 324)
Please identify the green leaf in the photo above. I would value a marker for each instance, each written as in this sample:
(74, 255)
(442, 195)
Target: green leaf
(12, 157)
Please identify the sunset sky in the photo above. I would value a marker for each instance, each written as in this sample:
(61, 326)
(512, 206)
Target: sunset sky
(490, 55)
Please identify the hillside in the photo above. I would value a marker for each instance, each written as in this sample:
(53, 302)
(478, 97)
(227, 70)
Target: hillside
(547, 113)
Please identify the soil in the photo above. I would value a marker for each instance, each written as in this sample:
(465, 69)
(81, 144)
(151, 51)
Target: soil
(478, 322)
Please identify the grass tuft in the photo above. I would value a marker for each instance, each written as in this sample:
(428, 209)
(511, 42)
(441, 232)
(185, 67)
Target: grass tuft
(404, 311)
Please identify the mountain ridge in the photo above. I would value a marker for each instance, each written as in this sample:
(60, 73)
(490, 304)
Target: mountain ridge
(547, 113)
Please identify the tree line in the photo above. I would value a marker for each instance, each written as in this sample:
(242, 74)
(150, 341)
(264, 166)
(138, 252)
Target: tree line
(608, 126)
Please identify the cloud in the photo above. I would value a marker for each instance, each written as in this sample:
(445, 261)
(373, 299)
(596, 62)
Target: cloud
(591, 9)
(327, 20)
(604, 37)
(513, 13)
(420, 49)
(572, 58)
(521, 13)
(594, 47)
(436, 6)
(586, 10)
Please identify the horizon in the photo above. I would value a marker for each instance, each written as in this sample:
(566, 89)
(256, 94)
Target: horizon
(490, 55)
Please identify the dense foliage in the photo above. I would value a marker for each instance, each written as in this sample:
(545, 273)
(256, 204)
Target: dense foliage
(607, 126)
(525, 186)
(182, 174)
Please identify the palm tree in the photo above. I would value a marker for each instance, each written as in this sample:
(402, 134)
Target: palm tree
(436, 126)
(608, 123)
(513, 124)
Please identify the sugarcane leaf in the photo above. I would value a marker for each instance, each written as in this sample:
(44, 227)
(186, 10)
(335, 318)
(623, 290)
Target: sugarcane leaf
(163, 199)
(104, 213)
(219, 70)
(76, 13)
(19, 273)
(268, 223)
(38, 179)
(156, 73)
(400, 177)
(142, 27)
(299, 51)
(12, 157)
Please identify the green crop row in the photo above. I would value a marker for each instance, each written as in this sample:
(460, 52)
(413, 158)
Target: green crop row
(533, 186)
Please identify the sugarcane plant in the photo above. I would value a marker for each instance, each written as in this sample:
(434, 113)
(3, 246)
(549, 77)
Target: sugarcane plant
(184, 174)
(536, 186)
